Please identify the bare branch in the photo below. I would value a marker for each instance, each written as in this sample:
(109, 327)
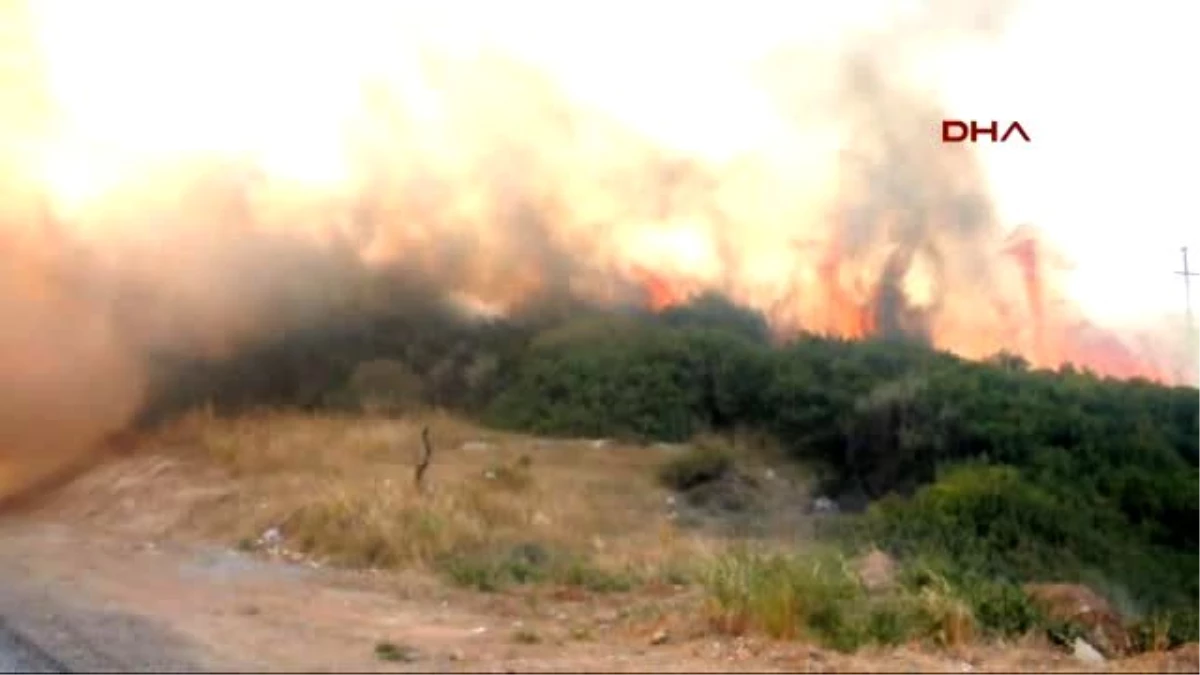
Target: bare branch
(423, 462)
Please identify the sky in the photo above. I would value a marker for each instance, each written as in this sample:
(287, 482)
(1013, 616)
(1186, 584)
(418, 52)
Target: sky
(1110, 172)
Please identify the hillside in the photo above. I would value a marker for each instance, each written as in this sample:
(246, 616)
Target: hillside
(293, 541)
(986, 475)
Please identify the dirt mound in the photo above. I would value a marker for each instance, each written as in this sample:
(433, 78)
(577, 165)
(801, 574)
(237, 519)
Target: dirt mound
(1082, 607)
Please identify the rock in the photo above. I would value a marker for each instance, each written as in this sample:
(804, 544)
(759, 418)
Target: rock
(271, 538)
(1085, 652)
(1081, 606)
(876, 571)
(824, 506)
(456, 655)
(769, 474)
(660, 637)
(601, 443)
(476, 446)
(540, 519)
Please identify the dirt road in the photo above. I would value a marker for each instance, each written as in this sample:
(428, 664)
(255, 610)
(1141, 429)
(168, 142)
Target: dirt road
(49, 624)
(114, 575)
(101, 603)
(17, 655)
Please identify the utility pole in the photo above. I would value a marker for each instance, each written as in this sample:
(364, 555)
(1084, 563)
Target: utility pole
(1190, 329)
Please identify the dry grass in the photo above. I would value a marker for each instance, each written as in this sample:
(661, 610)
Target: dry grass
(504, 509)
(496, 506)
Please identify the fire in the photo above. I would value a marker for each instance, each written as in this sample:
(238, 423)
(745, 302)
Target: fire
(179, 133)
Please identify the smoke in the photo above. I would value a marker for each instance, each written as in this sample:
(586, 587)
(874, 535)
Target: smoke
(194, 214)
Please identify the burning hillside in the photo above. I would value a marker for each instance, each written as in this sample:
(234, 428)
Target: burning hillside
(190, 180)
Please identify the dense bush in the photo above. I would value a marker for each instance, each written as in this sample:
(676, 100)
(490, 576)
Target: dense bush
(998, 470)
(697, 466)
(1006, 473)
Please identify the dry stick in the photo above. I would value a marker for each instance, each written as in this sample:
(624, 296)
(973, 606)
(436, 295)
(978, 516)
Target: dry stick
(423, 462)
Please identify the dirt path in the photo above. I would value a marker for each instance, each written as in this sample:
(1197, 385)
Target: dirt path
(214, 608)
(108, 576)
(119, 604)
(49, 598)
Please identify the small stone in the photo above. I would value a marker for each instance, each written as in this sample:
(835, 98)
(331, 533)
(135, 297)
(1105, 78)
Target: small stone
(456, 655)
(824, 505)
(271, 537)
(660, 637)
(1085, 652)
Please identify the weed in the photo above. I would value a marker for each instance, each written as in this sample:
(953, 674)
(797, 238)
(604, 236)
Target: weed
(817, 596)
(784, 596)
(391, 651)
(583, 575)
(699, 465)
(492, 569)
(515, 477)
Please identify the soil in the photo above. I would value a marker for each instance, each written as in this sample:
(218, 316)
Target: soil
(99, 577)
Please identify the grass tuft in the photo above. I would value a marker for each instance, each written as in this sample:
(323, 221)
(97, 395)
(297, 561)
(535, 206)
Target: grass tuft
(818, 596)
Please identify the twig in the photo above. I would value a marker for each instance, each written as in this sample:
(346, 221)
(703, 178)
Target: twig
(423, 462)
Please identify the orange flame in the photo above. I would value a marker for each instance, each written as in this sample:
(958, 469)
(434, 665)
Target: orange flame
(485, 175)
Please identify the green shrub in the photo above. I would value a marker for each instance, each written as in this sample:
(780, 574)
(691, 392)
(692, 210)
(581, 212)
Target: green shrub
(493, 569)
(1071, 476)
(700, 464)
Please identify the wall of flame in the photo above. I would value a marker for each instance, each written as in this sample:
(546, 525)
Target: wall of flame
(188, 176)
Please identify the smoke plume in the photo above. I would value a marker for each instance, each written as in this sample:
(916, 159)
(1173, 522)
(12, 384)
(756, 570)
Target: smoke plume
(149, 214)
